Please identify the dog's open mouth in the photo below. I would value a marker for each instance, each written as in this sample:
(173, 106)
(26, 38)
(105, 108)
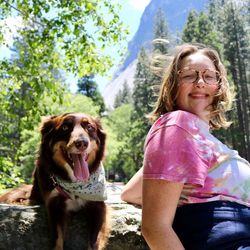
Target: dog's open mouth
(79, 164)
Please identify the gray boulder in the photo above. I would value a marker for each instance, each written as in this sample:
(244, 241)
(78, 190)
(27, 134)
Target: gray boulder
(26, 227)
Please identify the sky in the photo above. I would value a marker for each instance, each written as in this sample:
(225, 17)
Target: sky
(130, 14)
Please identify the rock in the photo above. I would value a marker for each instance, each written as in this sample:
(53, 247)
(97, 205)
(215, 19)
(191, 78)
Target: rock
(26, 227)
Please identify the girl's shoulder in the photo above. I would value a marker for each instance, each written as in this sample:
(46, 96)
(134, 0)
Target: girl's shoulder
(183, 119)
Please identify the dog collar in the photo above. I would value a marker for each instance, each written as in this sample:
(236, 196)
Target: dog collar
(59, 188)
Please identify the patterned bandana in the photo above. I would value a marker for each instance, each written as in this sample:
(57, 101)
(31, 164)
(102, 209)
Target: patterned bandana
(94, 189)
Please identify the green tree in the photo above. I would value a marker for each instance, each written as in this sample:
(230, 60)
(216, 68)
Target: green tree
(160, 32)
(231, 19)
(55, 36)
(117, 124)
(88, 87)
(70, 27)
(237, 52)
(200, 29)
(123, 96)
(191, 31)
(143, 91)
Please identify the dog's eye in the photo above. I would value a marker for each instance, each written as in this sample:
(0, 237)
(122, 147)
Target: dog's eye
(65, 127)
(90, 128)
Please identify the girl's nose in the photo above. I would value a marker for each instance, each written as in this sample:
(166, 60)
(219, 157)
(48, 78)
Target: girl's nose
(200, 81)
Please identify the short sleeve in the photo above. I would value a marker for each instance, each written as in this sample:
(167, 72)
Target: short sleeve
(171, 154)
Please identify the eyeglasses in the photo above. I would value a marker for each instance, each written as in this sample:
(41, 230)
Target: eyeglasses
(191, 76)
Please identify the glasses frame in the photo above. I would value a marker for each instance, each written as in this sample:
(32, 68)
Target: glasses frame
(202, 75)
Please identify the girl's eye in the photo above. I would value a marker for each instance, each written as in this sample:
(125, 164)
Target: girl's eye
(188, 76)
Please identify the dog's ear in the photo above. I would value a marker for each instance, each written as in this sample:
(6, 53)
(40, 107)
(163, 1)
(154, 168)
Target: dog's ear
(47, 125)
(102, 139)
(100, 132)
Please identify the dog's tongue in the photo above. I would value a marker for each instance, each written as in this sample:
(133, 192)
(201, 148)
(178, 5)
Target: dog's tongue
(81, 170)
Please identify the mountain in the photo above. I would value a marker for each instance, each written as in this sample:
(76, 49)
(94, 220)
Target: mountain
(176, 12)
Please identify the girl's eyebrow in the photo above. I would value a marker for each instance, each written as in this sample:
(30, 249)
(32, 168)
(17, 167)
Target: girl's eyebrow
(189, 68)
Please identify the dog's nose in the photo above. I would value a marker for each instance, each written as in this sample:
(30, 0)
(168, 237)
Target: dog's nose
(81, 143)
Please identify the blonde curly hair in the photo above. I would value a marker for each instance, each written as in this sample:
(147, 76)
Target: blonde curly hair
(168, 92)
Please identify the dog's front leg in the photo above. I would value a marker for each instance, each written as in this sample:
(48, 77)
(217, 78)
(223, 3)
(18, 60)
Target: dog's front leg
(56, 208)
(98, 224)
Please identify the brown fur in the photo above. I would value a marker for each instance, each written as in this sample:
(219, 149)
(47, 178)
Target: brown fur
(69, 132)
(19, 195)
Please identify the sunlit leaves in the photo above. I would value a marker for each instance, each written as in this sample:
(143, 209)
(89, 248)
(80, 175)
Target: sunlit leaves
(77, 31)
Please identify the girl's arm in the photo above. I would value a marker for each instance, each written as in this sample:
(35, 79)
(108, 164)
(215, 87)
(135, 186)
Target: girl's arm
(160, 199)
(132, 191)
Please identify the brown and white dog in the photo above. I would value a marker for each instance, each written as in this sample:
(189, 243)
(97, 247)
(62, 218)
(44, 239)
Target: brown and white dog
(72, 147)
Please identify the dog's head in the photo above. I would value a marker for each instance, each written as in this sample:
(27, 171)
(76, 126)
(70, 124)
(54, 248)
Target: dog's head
(77, 137)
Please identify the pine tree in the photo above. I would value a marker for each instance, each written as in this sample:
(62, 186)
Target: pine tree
(236, 52)
(88, 87)
(160, 31)
(200, 29)
(190, 31)
(123, 96)
(231, 19)
(142, 93)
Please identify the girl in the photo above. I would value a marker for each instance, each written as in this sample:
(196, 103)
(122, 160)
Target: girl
(194, 190)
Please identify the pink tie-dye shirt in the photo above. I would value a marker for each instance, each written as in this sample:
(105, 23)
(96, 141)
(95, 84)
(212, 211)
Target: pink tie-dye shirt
(180, 148)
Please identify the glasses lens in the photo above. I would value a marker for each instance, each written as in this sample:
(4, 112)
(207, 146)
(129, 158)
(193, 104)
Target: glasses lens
(211, 77)
(188, 76)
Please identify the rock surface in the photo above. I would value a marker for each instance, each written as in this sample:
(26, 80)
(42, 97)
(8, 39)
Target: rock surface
(26, 227)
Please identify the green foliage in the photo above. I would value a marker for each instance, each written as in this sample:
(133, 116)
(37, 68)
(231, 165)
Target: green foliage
(70, 27)
(124, 96)
(9, 174)
(200, 29)
(28, 151)
(88, 87)
(160, 32)
(143, 89)
(231, 19)
(133, 149)
(117, 126)
(131, 152)
(190, 31)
